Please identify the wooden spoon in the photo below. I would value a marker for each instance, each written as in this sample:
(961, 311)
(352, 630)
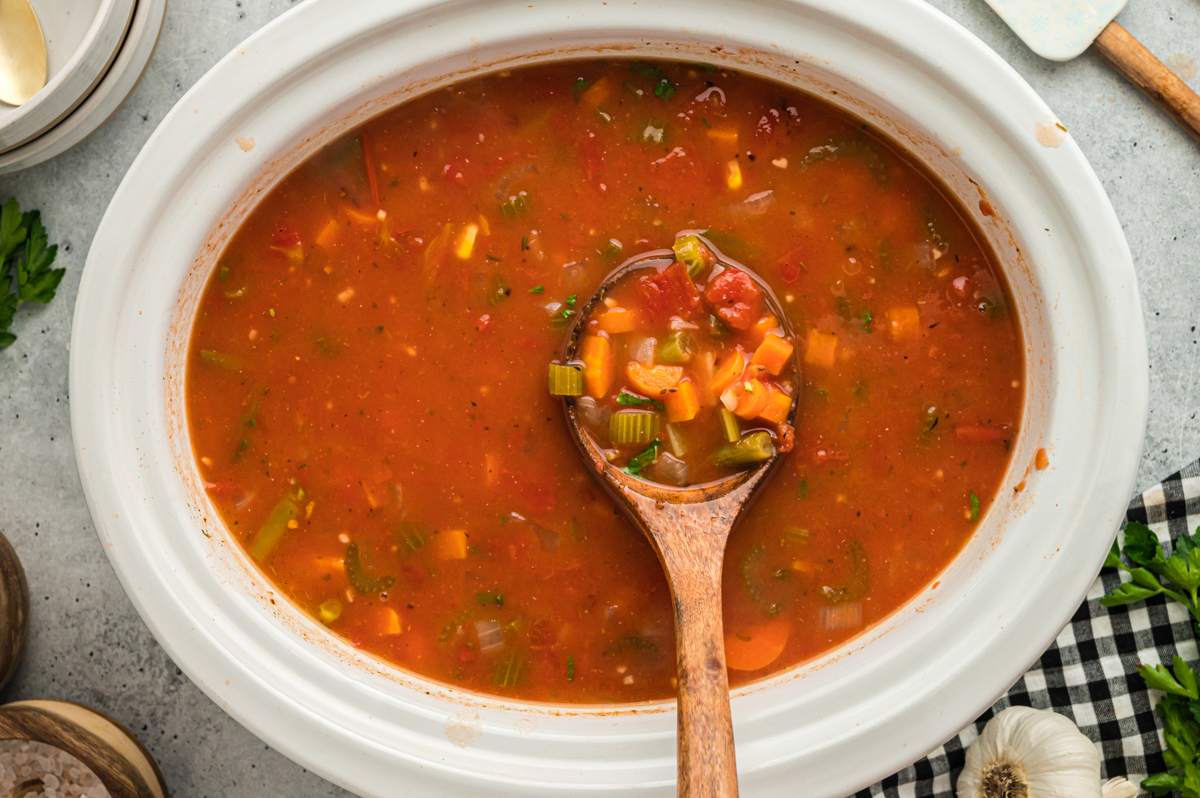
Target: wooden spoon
(14, 611)
(23, 57)
(688, 528)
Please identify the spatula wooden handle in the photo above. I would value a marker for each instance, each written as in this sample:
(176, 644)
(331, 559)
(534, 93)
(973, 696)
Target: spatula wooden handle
(1142, 69)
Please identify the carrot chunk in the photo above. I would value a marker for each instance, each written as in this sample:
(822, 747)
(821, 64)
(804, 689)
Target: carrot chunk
(328, 235)
(450, 545)
(779, 404)
(763, 326)
(752, 397)
(387, 622)
(615, 321)
(821, 349)
(731, 368)
(597, 355)
(905, 323)
(772, 353)
(597, 92)
(756, 646)
(682, 403)
(980, 433)
(653, 380)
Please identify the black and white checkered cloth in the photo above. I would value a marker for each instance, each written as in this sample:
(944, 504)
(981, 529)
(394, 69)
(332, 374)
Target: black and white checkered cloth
(1088, 674)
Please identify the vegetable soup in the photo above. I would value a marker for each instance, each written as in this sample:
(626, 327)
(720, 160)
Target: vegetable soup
(367, 380)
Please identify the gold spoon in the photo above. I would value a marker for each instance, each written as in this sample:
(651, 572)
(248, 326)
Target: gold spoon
(688, 528)
(22, 52)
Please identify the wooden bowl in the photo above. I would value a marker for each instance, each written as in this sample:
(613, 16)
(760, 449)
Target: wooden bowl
(107, 748)
(14, 611)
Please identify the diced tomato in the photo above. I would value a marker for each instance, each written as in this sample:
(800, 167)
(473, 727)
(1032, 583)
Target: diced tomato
(286, 237)
(981, 433)
(466, 654)
(670, 292)
(737, 300)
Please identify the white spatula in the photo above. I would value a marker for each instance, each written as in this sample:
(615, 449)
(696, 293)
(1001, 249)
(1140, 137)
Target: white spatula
(1062, 29)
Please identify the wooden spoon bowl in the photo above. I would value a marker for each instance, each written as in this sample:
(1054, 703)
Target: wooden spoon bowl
(688, 528)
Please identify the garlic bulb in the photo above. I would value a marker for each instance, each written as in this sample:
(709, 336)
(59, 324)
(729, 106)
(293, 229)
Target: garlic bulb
(1033, 753)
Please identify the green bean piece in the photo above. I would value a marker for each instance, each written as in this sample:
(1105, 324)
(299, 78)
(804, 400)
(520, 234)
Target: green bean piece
(516, 206)
(631, 427)
(359, 580)
(221, 361)
(677, 348)
(856, 586)
(273, 529)
(692, 253)
(565, 380)
(756, 447)
(730, 425)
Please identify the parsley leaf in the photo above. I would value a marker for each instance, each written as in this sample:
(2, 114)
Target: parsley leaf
(1180, 680)
(626, 399)
(644, 457)
(1142, 546)
(30, 265)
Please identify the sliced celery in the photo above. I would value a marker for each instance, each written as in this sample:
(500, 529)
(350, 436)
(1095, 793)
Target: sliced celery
(565, 380)
(508, 674)
(516, 206)
(677, 348)
(675, 439)
(691, 253)
(756, 447)
(413, 536)
(221, 361)
(630, 427)
(730, 426)
(273, 529)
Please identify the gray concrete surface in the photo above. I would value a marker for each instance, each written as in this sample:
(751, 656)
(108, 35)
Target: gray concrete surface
(88, 644)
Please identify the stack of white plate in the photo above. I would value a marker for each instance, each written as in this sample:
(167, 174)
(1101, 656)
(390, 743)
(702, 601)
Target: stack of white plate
(97, 52)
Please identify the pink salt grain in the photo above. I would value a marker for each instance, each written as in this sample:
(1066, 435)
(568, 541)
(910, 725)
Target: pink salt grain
(50, 772)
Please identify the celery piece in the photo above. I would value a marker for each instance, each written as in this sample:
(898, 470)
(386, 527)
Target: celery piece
(359, 580)
(273, 529)
(221, 361)
(565, 380)
(490, 598)
(690, 251)
(330, 611)
(631, 427)
(675, 439)
(717, 328)
(610, 249)
(413, 536)
(730, 425)
(508, 673)
(677, 348)
(794, 534)
(754, 448)
(515, 206)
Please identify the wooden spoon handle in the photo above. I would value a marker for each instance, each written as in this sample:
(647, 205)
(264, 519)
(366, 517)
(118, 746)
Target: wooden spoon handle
(707, 766)
(1139, 66)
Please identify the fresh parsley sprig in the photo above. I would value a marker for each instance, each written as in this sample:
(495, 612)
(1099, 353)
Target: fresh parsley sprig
(626, 399)
(1180, 707)
(25, 273)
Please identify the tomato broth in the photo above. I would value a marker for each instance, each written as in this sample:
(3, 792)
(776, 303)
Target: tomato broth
(367, 392)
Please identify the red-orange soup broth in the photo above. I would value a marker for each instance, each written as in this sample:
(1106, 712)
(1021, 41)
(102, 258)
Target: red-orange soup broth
(367, 392)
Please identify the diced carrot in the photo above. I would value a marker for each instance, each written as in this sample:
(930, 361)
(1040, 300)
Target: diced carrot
(773, 354)
(779, 404)
(821, 349)
(731, 368)
(653, 380)
(387, 622)
(328, 235)
(763, 326)
(724, 136)
(804, 567)
(681, 403)
(905, 323)
(596, 93)
(491, 469)
(752, 397)
(980, 433)
(450, 545)
(615, 321)
(733, 175)
(756, 646)
(466, 241)
(597, 355)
